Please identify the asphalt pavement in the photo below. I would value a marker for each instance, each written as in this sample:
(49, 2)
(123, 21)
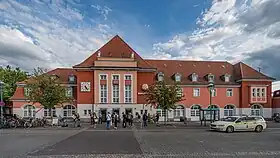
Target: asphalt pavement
(159, 142)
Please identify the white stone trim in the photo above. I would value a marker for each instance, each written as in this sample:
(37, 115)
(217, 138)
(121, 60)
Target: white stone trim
(99, 86)
(112, 86)
(131, 88)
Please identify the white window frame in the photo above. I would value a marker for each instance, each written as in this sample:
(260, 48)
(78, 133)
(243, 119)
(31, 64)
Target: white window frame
(178, 111)
(112, 93)
(29, 110)
(263, 92)
(258, 92)
(161, 112)
(160, 76)
(47, 112)
(69, 91)
(214, 92)
(194, 77)
(229, 111)
(124, 96)
(256, 111)
(229, 92)
(178, 77)
(227, 78)
(211, 78)
(194, 92)
(195, 111)
(100, 88)
(69, 112)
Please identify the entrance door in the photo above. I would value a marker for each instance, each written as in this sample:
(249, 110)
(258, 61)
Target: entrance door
(128, 110)
(103, 113)
(116, 111)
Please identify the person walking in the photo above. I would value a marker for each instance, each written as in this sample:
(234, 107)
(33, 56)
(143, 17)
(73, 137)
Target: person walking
(116, 119)
(108, 120)
(78, 119)
(157, 119)
(124, 120)
(145, 119)
(129, 118)
(100, 118)
(91, 118)
(94, 122)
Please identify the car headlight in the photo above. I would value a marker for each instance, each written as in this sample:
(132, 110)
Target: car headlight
(220, 125)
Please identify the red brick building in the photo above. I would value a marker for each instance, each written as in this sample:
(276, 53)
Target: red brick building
(113, 79)
(276, 101)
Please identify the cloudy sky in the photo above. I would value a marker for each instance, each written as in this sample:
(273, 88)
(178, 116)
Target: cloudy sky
(52, 33)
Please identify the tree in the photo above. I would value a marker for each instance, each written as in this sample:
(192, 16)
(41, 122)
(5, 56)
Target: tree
(10, 76)
(163, 96)
(46, 89)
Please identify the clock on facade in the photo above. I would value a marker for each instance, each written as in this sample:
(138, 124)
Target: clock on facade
(85, 86)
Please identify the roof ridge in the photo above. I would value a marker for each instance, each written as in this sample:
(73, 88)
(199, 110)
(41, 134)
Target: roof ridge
(188, 60)
(241, 70)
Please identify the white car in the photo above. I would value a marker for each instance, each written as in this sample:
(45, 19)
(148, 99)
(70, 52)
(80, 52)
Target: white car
(240, 123)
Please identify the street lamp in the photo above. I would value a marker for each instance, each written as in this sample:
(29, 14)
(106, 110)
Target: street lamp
(211, 87)
(1, 102)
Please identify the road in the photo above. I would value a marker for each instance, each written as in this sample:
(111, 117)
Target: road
(89, 142)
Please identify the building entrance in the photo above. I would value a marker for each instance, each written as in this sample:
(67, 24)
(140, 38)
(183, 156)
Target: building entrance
(128, 110)
(103, 114)
(117, 110)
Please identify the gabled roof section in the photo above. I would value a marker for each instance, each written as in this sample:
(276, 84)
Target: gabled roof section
(243, 71)
(115, 48)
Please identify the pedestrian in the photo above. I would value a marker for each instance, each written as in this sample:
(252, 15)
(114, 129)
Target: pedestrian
(116, 117)
(94, 117)
(91, 118)
(129, 118)
(74, 119)
(145, 119)
(108, 121)
(78, 119)
(124, 119)
(100, 118)
(157, 119)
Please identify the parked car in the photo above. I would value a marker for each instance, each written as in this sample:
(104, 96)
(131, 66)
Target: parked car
(240, 123)
(276, 117)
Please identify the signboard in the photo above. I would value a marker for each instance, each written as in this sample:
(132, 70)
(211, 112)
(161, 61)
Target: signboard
(2, 103)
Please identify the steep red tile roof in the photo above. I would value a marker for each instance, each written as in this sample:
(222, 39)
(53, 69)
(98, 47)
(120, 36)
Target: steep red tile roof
(243, 71)
(187, 68)
(115, 48)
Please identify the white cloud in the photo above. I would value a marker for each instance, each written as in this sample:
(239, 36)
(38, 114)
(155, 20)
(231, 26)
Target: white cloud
(104, 11)
(47, 37)
(229, 30)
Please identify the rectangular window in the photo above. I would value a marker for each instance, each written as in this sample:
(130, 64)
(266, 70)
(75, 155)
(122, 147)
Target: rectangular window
(127, 77)
(103, 93)
(177, 78)
(115, 77)
(196, 92)
(214, 92)
(263, 92)
(258, 92)
(229, 92)
(128, 97)
(69, 92)
(254, 92)
(116, 92)
(103, 77)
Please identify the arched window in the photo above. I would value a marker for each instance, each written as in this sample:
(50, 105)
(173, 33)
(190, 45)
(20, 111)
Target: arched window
(195, 110)
(179, 111)
(48, 112)
(256, 110)
(213, 107)
(229, 110)
(69, 110)
(29, 111)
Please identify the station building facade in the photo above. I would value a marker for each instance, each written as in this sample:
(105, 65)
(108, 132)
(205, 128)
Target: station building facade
(115, 77)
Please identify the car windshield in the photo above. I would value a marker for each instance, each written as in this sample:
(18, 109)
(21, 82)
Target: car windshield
(229, 119)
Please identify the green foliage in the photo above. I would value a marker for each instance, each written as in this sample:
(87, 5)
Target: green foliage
(163, 96)
(46, 89)
(10, 76)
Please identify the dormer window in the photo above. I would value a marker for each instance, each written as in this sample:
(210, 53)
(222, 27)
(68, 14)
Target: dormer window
(194, 77)
(211, 78)
(71, 78)
(160, 76)
(178, 77)
(227, 77)
(54, 76)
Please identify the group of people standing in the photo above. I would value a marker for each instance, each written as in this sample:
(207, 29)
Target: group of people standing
(127, 119)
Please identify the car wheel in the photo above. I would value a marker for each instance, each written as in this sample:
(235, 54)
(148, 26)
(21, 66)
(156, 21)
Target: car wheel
(259, 128)
(229, 129)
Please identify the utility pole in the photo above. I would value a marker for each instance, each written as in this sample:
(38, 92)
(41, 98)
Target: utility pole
(1, 103)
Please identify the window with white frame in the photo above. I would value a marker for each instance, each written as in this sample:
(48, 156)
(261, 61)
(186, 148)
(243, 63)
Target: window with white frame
(195, 110)
(160, 76)
(103, 77)
(49, 112)
(214, 92)
(116, 92)
(256, 110)
(254, 92)
(128, 90)
(258, 92)
(177, 77)
(178, 111)
(262, 92)
(194, 77)
(229, 110)
(229, 92)
(103, 93)
(69, 110)
(211, 78)
(161, 113)
(29, 111)
(196, 92)
(69, 92)
(115, 77)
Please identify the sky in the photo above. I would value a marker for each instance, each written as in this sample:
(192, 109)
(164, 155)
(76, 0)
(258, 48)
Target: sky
(62, 33)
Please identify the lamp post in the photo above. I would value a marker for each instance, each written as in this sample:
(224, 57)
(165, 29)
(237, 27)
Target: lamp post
(1, 102)
(211, 87)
